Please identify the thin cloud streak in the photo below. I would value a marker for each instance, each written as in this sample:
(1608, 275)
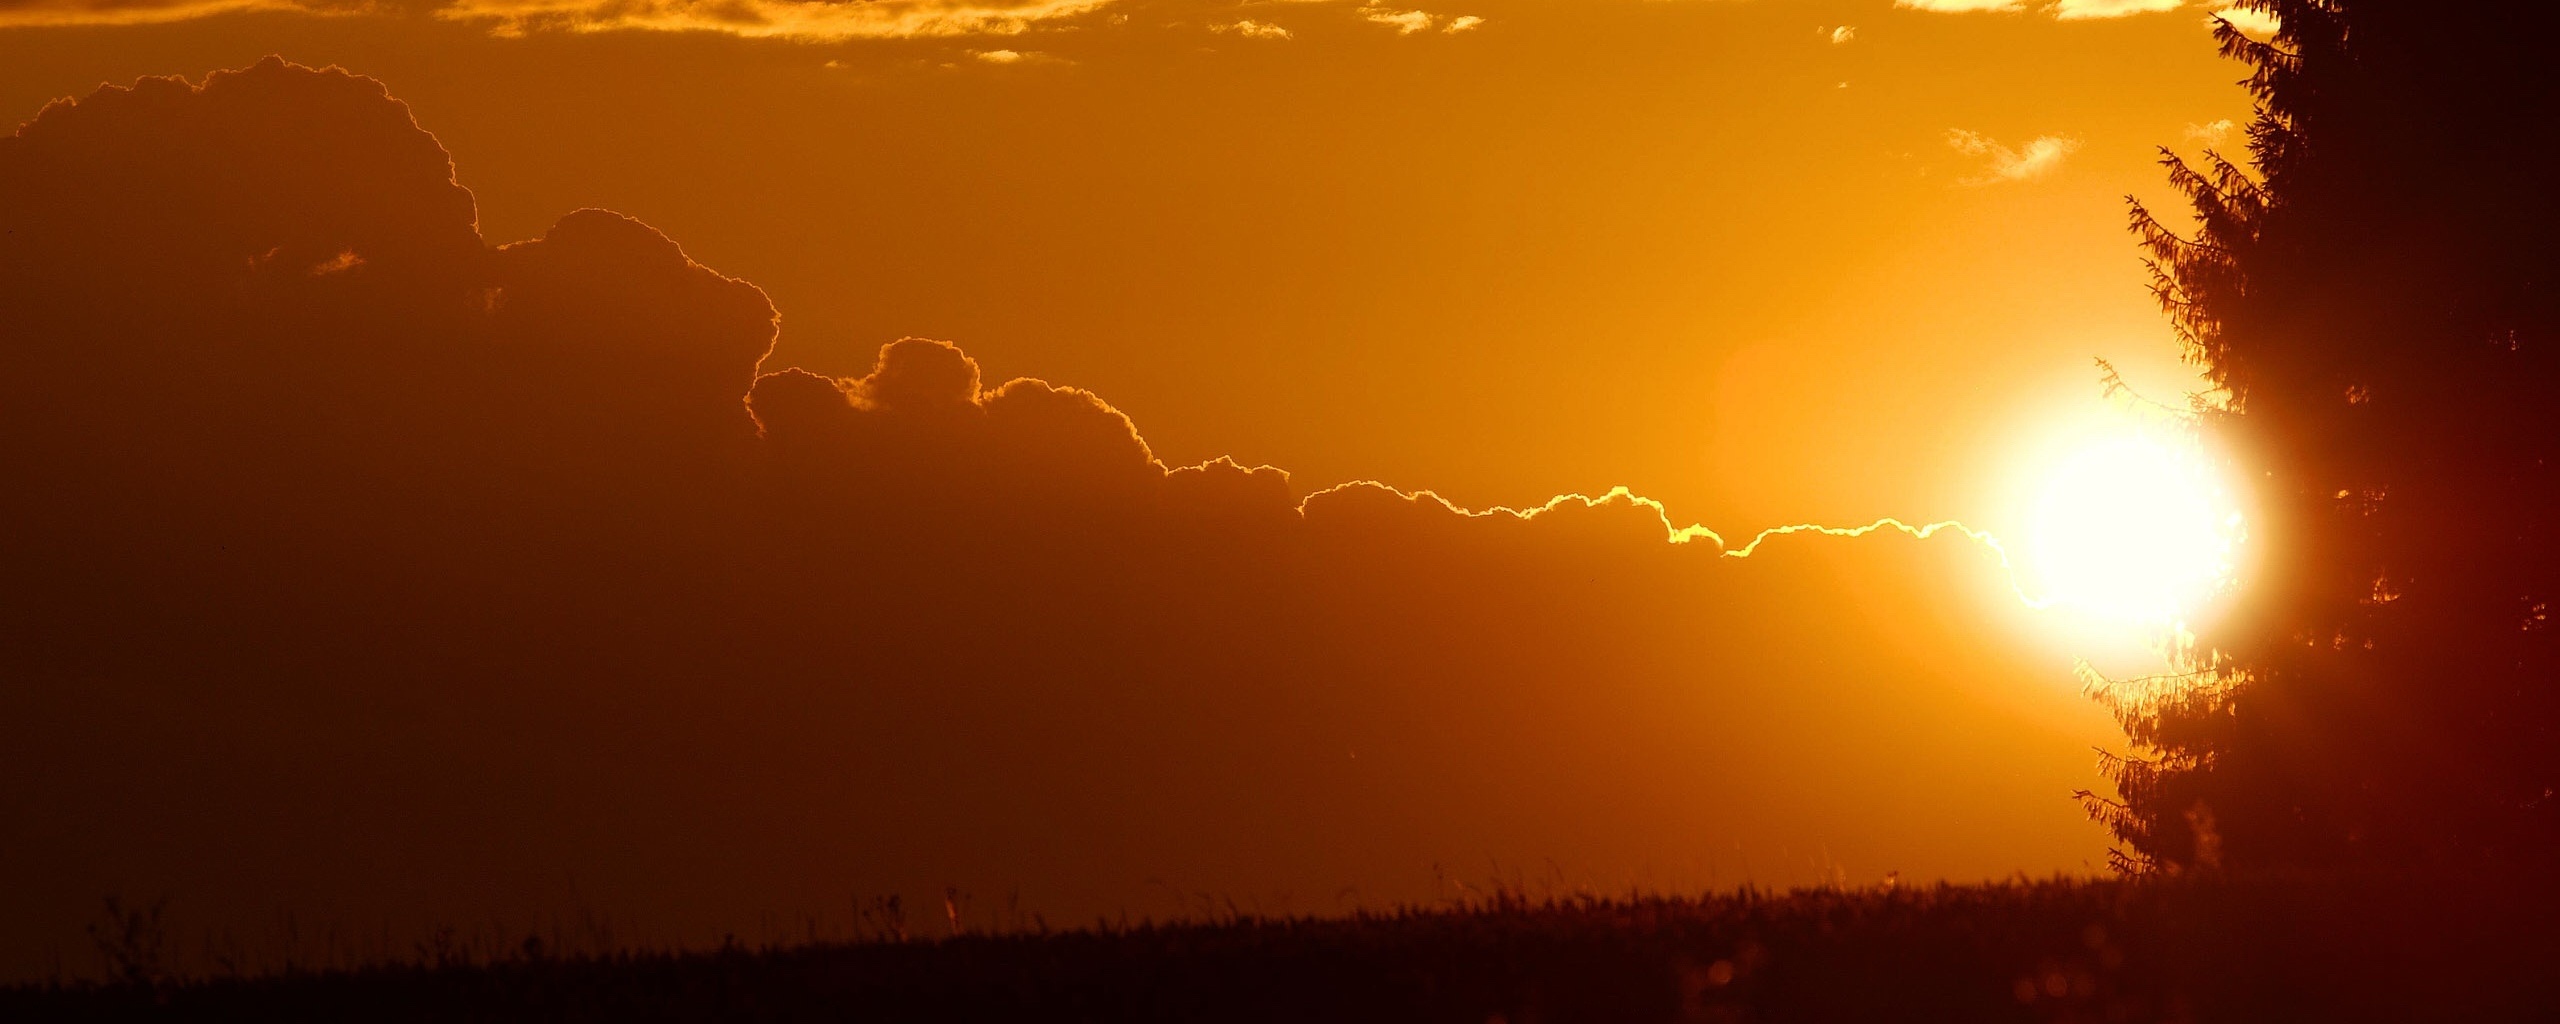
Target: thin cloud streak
(802, 20)
(2249, 21)
(839, 20)
(2060, 10)
(1252, 29)
(799, 20)
(1404, 22)
(2210, 133)
(1414, 22)
(2039, 157)
(2083, 10)
(1920, 532)
(1960, 6)
(64, 13)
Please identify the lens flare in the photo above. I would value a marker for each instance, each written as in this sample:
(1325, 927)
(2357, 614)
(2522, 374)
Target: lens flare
(2136, 528)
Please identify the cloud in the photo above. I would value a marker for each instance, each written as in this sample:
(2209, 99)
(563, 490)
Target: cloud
(1412, 22)
(1840, 35)
(1010, 58)
(361, 566)
(1960, 6)
(42, 13)
(2061, 10)
(2039, 157)
(2210, 133)
(804, 20)
(815, 21)
(1404, 22)
(2256, 23)
(2078, 10)
(1252, 29)
(836, 20)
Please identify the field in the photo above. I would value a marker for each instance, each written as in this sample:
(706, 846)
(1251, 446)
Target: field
(2067, 950)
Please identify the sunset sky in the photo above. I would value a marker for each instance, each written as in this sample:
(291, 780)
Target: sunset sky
(1764, 260)
(1761, 262)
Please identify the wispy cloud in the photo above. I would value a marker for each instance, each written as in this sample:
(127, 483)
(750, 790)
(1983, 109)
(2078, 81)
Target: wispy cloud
(1414, 22)
(2210, 133)
(1404, 22)
(814, 20)
(46, 13)
(1840, 35)
(2061, 10)
(1013, 57)
(1252, 29)
(833, 20)
(2037, 158)
(2079, 10)
(2254, 22)
(1960, 6)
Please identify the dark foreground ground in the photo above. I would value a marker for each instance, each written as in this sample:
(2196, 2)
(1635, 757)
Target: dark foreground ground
(2201, 950)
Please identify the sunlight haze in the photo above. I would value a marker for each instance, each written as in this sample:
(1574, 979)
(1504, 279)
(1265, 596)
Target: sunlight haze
(1110, 453)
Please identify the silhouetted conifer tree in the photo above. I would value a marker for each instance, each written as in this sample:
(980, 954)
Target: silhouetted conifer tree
(2375, 299)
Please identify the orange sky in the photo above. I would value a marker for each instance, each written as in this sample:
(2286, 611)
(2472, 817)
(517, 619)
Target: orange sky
(1693, 248)
(1723, 253)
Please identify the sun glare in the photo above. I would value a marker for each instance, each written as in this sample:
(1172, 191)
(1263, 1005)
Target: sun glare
(2133, 527)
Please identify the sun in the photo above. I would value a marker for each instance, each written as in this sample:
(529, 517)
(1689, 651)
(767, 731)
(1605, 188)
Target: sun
(2135, 527)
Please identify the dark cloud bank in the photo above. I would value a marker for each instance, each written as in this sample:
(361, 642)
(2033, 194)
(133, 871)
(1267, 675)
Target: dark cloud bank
(362, 571)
